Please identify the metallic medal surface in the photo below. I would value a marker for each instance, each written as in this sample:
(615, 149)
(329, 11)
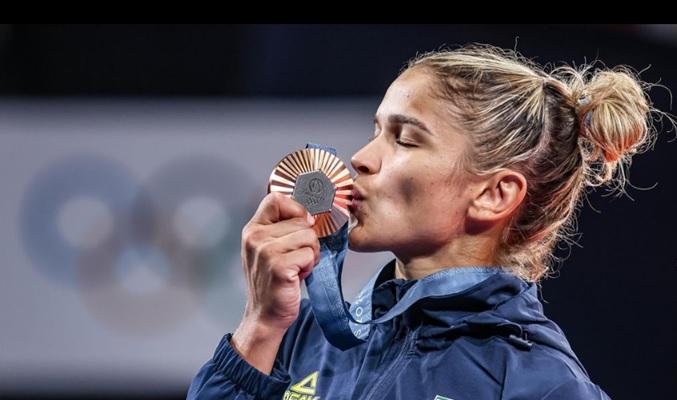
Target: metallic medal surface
(320, 181)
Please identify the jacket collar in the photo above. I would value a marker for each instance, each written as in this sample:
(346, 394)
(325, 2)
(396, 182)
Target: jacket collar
(502, 304)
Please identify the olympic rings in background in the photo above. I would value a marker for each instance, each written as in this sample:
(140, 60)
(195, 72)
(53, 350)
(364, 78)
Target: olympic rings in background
(153, 251)
(78, 177)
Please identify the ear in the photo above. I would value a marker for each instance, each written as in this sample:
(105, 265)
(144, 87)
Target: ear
(498, 196)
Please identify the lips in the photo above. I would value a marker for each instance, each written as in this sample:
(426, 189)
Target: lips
(354, 206)
(357, 195)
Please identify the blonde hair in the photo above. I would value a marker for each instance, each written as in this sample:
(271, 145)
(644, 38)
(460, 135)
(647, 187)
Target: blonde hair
(563, 130)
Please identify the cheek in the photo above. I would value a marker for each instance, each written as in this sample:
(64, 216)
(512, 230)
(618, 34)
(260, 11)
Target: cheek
(419, 192)
(419, 198)
(425, 188)
(409, 183)
(402, 193)
(410, 190)
(431, 200)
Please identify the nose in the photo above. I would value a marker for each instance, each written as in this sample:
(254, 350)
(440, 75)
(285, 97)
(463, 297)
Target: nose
(364, 162)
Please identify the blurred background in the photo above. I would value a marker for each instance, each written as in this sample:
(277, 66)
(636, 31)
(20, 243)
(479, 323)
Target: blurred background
(131, 156)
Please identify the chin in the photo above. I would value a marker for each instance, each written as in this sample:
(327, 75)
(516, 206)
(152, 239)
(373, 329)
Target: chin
(354, 241)
(359, 242)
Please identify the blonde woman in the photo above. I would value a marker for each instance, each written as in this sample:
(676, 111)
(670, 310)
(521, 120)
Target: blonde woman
(476, 168)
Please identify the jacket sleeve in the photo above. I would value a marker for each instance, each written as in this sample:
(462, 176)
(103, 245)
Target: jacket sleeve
(576, 390)
(229, 376)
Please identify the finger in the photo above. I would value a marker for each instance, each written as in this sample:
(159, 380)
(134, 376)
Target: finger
(286, 227)
(277, 207)
(296, 261)
(299, 239)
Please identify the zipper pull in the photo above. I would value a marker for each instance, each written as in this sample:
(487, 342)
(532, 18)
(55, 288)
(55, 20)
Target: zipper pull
(519, 342)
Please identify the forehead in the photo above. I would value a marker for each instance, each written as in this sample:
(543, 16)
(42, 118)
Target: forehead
(412, 94)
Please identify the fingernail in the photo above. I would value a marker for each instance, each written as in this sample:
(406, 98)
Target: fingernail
(310, 218)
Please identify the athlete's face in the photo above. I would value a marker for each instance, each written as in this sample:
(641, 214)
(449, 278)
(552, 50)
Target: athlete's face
(415, 197)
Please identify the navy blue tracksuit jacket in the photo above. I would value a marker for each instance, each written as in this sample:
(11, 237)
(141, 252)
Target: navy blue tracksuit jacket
(489, 341)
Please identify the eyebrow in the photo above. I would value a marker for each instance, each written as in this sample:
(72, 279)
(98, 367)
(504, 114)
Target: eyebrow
(403, 119)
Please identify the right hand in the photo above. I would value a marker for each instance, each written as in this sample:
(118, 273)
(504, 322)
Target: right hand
(279, 250)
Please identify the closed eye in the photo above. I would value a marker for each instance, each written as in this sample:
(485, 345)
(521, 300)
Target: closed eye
(399, 142)
(404, 144)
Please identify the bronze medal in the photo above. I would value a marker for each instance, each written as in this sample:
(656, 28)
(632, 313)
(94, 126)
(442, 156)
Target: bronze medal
(320, 181)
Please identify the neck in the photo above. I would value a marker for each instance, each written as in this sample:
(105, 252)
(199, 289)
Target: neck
(460, 252)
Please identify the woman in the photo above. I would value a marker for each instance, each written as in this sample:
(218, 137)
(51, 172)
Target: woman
(474, 173)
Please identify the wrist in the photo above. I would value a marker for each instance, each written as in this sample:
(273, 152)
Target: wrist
(258, 343)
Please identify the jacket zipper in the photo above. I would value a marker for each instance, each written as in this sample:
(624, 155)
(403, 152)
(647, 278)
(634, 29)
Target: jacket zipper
(410, 339)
